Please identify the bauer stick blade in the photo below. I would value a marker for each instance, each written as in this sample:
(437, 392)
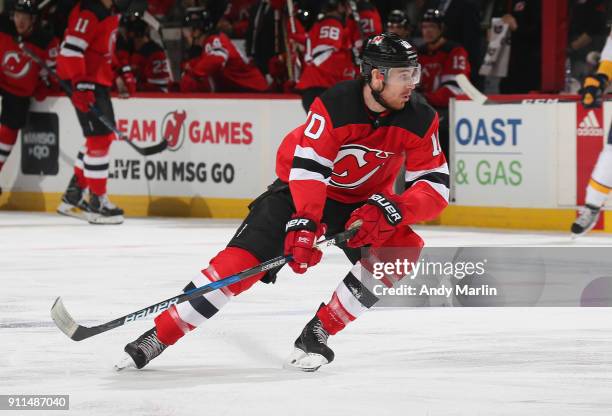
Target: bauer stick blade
(76, 332)
(67, 324)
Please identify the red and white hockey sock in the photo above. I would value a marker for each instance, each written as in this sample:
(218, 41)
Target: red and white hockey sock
(350, 299)
(8, 137)
(79, 166)
(96, 162)
(175, 322)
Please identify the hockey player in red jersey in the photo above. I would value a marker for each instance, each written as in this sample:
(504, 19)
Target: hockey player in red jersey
(19, 75)
(148, 60)
(221, 64)
(194, 27)
(328, 58)
(442, 60)
(334, 170)
(398, 23)
(85, 60)
(369, 23)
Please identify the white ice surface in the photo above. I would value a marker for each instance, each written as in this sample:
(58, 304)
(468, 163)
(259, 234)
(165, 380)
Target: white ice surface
(426, 361)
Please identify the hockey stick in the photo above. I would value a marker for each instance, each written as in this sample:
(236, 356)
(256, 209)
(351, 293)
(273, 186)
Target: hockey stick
(77, 332)
(154, 24)
(291, 12)
(355, 15)
(475, 95)
(67, 88)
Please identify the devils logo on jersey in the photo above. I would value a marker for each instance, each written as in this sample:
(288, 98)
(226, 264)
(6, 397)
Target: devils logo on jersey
(355, 164)
(15, 65)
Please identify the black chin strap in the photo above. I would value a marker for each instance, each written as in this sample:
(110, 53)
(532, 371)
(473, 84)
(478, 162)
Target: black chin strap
(378, 96)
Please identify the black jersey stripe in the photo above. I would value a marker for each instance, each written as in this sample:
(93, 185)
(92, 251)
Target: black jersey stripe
(436, 177)
(73, 47)
(311, 165)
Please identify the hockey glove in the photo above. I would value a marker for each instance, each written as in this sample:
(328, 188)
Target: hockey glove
(83, 95)
(129, 79)
(592, 91)
(379, 215)
(42, 91)
(302, 234)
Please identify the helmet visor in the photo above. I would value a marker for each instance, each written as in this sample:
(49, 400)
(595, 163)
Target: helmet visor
(404, 76)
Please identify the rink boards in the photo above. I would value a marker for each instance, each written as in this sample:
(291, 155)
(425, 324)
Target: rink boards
(514, 166)
(523, 165)
(221, 154)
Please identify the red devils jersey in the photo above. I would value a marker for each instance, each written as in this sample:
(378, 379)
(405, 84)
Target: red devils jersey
(328, 58)
(53, 52)
(237, 13)
(440, 67)
(89, 44)
(19, 75)
(344, 153)
(149, 66)
(229, 69)
(370, 22)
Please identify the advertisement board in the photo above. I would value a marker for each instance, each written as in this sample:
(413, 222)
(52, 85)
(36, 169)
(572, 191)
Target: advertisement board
(221, 152)
(502, 155)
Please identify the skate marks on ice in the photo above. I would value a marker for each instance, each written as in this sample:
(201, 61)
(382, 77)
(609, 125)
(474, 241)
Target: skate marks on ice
(26, 324)
(175, 376)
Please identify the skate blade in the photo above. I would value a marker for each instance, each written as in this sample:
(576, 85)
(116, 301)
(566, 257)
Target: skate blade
(587, 230)
(125, 362)
(101, 220)
(303, 361)
(71, 211)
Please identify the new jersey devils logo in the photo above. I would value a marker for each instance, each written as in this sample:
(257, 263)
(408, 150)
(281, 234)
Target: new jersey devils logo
(15, 65)
(355, 164)
(172, 129)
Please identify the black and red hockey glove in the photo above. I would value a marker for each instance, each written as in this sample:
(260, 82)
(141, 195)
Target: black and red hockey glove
(379, 215)
(83, 96)
(593, 89)
(302, 234)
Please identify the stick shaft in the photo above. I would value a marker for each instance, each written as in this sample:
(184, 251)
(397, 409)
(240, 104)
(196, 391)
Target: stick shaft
(77, 332)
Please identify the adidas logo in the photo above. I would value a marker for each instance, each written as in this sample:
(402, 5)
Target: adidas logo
(589, 126)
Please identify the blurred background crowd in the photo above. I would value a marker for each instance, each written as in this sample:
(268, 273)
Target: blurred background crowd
(306, 46)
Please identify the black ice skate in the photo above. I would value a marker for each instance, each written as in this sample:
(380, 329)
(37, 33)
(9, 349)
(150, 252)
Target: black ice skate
(102, 211)
(141, 351)
(73, 202)
(587, 218)
(311, 350)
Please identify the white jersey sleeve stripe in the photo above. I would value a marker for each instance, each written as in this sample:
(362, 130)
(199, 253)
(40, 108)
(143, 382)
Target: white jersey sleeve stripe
(414, 175)
(297, 174)
(310, 153)
(76, 41)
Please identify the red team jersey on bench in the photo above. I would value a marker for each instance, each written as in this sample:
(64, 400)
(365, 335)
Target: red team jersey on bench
(328, 58)
(224, 65)
(19, 75)
(440, 68)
